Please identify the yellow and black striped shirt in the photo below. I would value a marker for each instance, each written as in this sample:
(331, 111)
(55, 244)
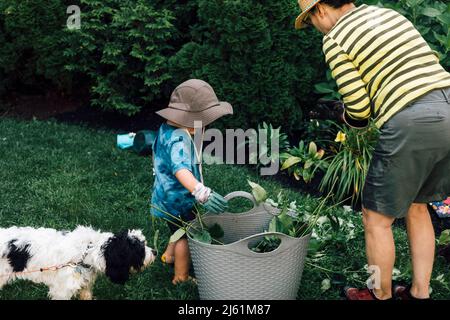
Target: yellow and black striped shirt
(381, 63)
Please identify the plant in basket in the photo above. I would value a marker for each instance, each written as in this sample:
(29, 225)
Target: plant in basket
(290, 221)
(203, 233)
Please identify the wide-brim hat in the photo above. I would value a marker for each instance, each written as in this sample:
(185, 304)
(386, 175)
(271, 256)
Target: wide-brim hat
(305, 6)
(195, 100)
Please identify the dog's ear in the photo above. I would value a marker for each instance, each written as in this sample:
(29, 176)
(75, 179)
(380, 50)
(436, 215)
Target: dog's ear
(122, 252)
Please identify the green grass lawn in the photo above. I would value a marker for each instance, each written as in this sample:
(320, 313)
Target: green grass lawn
(60, 176)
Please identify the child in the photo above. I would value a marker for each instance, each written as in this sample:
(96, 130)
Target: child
(177, 164)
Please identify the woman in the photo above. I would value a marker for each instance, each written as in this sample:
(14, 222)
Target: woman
(387, 72)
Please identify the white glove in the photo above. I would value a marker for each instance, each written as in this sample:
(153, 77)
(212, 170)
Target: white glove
(201, 193)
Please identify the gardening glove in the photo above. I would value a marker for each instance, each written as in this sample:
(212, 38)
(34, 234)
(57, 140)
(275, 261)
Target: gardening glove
(210, 200)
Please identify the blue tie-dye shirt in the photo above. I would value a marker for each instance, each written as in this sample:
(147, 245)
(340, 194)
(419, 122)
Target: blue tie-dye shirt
(172, 151)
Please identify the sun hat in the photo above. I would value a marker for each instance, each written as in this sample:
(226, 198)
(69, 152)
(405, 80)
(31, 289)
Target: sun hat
(305, 6)
(194, 100)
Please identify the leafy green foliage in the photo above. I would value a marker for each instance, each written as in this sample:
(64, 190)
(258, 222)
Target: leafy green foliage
(328, 89)
(320, 131)
(258, 192)
(304, 161)
(444, 238)
(348, 169)
(122, 47)
(254, 58)
(31, 51)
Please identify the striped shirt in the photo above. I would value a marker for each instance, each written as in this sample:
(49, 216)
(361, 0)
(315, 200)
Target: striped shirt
(381, 63)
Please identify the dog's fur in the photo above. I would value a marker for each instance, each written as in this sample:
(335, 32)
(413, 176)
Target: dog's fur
(28, 249)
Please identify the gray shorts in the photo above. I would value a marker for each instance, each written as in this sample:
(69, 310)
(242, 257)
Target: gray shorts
(411, 162)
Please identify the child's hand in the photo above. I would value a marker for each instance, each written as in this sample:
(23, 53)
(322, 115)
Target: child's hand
(216, 203)
(212, 201)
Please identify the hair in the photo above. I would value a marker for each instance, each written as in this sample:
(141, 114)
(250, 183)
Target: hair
(122, 252)
(334, 3)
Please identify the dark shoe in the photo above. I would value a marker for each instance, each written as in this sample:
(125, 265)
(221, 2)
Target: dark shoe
(404, 293)
(360, 294)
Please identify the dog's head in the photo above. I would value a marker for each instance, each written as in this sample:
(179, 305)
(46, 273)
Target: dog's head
(126, 252)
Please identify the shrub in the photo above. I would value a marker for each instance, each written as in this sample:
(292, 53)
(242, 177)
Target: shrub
(31, 50)
(253, 57)
(122, 46)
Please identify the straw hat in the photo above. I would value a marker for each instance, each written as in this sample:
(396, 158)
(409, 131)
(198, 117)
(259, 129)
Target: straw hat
(305, 6)
(194, 100)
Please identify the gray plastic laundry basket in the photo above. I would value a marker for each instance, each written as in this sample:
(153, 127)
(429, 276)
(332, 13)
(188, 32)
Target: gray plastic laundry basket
(234, 272)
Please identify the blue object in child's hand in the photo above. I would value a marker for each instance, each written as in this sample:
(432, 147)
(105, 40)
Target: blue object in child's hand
(125, 141)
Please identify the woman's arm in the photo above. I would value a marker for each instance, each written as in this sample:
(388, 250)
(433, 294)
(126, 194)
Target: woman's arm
(350, 85)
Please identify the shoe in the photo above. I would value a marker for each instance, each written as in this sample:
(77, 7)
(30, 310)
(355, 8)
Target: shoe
(360, 294)
(400, 292)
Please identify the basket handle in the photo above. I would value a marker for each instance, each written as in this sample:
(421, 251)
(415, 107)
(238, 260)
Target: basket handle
(241, 194)
(242, 246)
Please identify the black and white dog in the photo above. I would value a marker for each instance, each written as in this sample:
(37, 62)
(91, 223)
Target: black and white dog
(69, 262)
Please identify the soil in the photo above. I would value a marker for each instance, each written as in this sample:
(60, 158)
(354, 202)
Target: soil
(69, 110)
(38, 106)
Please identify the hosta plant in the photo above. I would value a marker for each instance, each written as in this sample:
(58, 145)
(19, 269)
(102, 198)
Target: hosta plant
(304, 161)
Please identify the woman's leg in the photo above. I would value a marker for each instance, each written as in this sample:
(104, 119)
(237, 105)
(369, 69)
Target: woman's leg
(422, 247)
(380, 248)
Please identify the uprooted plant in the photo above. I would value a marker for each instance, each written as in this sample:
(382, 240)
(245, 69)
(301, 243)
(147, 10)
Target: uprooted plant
(200, 232)
(290, 221)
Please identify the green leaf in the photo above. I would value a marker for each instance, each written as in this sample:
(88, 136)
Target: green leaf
(414, 3)
(431, 12)
(155, 239)
(308, 164)
(326, 285)
(202, 236)
(301, 145)
(275, 225)
(441, 38)
(290, 162)
(216, 231)
(312, 148)
(286, 222)
(444, 239)
(258, 192)
(323, 88)
(445, 18)
(177, 235)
